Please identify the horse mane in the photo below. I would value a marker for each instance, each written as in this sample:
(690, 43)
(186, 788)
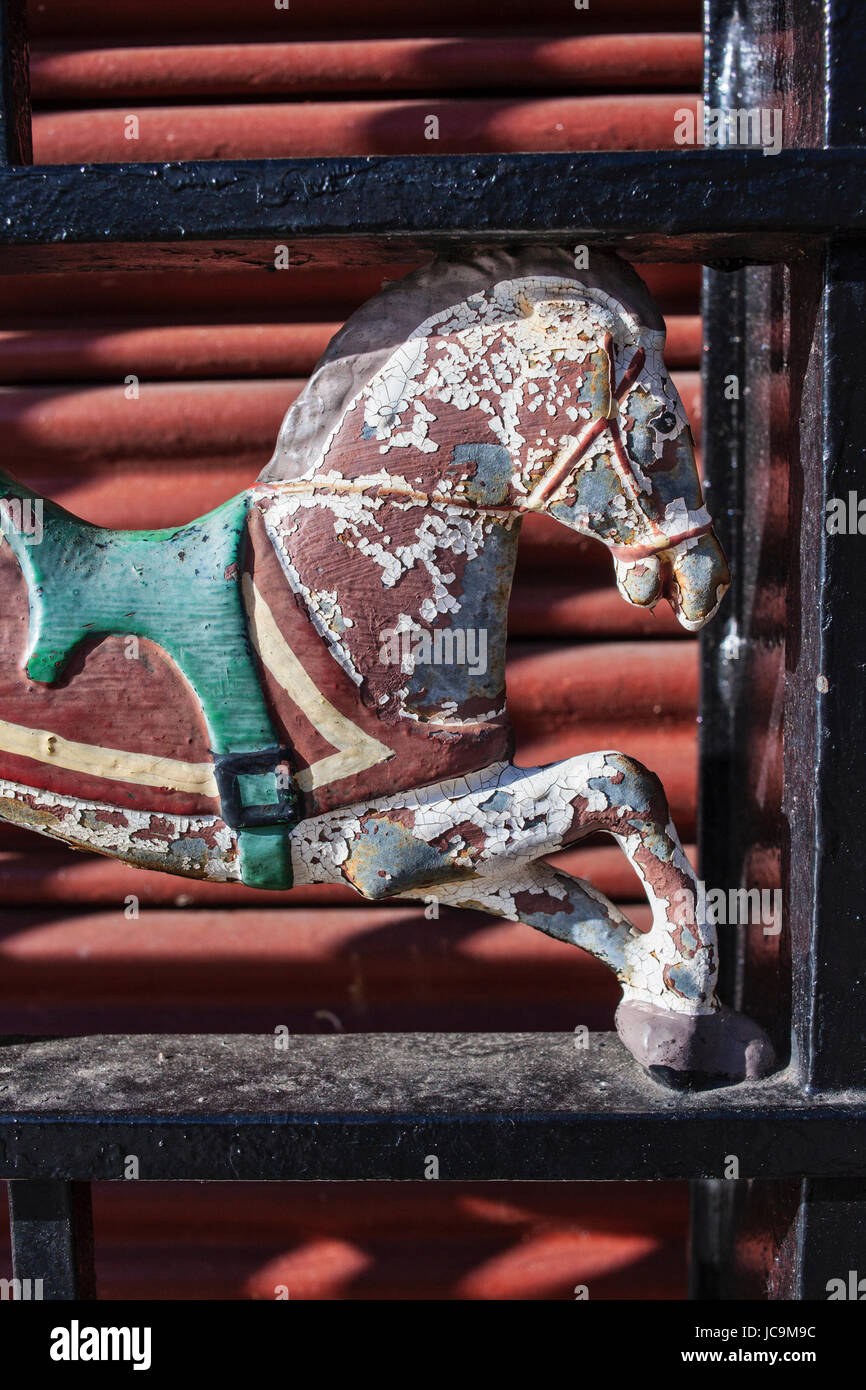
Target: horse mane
(391, 318)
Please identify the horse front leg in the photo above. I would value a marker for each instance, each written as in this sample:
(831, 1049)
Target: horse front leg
(474, 843)
(669, 1017)
(676, 963)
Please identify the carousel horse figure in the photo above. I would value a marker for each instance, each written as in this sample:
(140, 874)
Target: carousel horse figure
(281, 691)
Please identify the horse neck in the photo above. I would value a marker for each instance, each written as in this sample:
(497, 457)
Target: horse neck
(373, 568)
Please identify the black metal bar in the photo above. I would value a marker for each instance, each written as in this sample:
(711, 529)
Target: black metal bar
(831, 674)
(792, 1240)
(707, 203)
(745, 434)
(712, 1204)
(355, 1106)
(796, 333)
(722, 756)
(831, 1231)
(834, 650)
(15, 142)
(746, 1237)
(51, 1225)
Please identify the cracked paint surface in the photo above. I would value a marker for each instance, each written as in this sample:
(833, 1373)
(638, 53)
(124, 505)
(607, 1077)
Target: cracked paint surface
(535, 392)
(474, 842)
(194, 846)
(448, 408)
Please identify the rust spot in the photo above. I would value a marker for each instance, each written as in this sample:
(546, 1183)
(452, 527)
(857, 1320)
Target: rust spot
(546, 903)
(158, 829)
(668, 979)
(464, 835)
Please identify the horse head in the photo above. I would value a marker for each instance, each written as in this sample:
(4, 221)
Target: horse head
(552, 381)
(613, 454)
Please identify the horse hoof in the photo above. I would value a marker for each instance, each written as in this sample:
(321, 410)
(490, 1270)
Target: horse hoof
(694, 1052)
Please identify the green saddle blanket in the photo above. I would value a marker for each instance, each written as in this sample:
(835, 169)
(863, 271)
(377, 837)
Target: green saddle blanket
(181, 589)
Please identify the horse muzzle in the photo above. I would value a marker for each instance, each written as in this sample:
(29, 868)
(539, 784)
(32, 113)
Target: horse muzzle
(692, 574)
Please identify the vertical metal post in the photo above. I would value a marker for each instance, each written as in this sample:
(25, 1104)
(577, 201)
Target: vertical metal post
(795, 333)
(745, 1237)
(721, 852)
(15, 136)
(826, 666)
(52, 1238)
(740, 1246)
(832, 674)
(832, 1239)
(51, 1223)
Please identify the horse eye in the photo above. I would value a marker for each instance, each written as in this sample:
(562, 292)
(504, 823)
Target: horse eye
(665, 422)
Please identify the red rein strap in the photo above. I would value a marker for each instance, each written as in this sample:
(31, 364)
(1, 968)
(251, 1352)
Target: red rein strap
(630, 553)
(560, 471)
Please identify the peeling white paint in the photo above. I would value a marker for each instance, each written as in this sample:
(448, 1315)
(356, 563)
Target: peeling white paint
(78, 823)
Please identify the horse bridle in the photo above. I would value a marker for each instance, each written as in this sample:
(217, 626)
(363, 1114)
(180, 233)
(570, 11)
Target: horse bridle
(564, 464)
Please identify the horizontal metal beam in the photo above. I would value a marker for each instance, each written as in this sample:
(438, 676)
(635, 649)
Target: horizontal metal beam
(539, 1106)
(706, 204)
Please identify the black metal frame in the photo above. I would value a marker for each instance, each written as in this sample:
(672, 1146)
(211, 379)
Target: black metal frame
(785, 304)
(706, 203)
(790, 332)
